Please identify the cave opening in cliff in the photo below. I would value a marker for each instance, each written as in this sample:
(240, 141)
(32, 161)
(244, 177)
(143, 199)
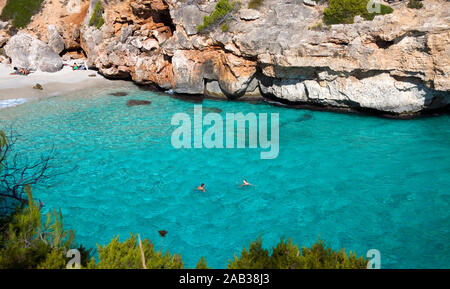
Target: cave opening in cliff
(74, 53)
(165, 18)
(156, 15)
(384, 44)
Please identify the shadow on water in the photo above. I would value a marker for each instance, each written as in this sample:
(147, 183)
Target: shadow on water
(191, 98)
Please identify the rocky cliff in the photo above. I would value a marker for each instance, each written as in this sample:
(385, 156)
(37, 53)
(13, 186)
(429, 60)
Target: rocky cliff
(397, 63)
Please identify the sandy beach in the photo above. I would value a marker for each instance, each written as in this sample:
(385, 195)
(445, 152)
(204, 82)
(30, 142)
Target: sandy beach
(18, 89)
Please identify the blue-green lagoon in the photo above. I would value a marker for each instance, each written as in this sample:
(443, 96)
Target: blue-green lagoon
(360, 182)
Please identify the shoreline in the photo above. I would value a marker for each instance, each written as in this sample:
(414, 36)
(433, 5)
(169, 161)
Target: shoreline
(18, 89)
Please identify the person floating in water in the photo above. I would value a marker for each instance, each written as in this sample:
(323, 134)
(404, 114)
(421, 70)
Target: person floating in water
(201, 188)
(245, 183)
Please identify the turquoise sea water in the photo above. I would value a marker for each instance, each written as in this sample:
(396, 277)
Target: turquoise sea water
(359, 182)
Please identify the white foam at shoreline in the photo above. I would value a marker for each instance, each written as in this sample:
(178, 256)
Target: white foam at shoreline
(11, 102)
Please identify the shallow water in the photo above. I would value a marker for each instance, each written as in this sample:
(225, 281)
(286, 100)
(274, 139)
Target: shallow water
(359, 182)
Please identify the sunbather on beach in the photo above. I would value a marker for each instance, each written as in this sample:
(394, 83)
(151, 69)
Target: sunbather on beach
(20, 71)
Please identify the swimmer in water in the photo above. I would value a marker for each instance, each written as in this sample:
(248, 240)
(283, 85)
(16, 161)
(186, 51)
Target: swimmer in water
(245, 183)
(201, 188)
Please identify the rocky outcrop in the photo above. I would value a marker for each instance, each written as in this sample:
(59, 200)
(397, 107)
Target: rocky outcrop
(194, 68)
(55, 41)
(397, 63)
(29, 52)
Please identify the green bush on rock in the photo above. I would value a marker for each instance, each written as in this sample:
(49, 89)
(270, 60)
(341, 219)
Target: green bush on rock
(222, 13)
(97, 16)
(415, 4)
(344, 11)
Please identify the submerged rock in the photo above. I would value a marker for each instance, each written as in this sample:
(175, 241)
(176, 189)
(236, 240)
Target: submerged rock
(304, 117)
(211, 109)
(119, 93)
(135, 102)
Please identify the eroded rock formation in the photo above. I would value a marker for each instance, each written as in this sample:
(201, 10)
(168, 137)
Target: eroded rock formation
(397, 63)
(27, 51)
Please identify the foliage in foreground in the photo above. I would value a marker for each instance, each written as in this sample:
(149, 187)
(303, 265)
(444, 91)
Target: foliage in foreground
(28, 242)
(344, 11)
(287, 255)
(20, 11)
(97, 16)
(128, 255)
(221, 15)
(17, 173)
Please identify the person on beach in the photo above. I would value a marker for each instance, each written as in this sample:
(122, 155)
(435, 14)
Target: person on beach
(201, 188)
(20, 71)
(245, 183)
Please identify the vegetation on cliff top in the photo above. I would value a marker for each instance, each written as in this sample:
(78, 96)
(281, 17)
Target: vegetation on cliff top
(344, 11)
(222, 14)
(415, 4)
(20, 11)
(97, 16)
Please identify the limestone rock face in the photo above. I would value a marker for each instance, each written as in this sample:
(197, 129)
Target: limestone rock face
(192, 68)
(28, 52)
(3, 25)
(397, 63)
(55, 41)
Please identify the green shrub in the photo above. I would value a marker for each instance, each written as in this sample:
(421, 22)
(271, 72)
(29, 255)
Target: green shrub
(28, 242)
(127, 255)
(255, 4)
(344, 11)
(20, 11)
(202, 264)
(224, 27)
(97, 16)
(287, 255)
(415, 4)
(222, 10)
